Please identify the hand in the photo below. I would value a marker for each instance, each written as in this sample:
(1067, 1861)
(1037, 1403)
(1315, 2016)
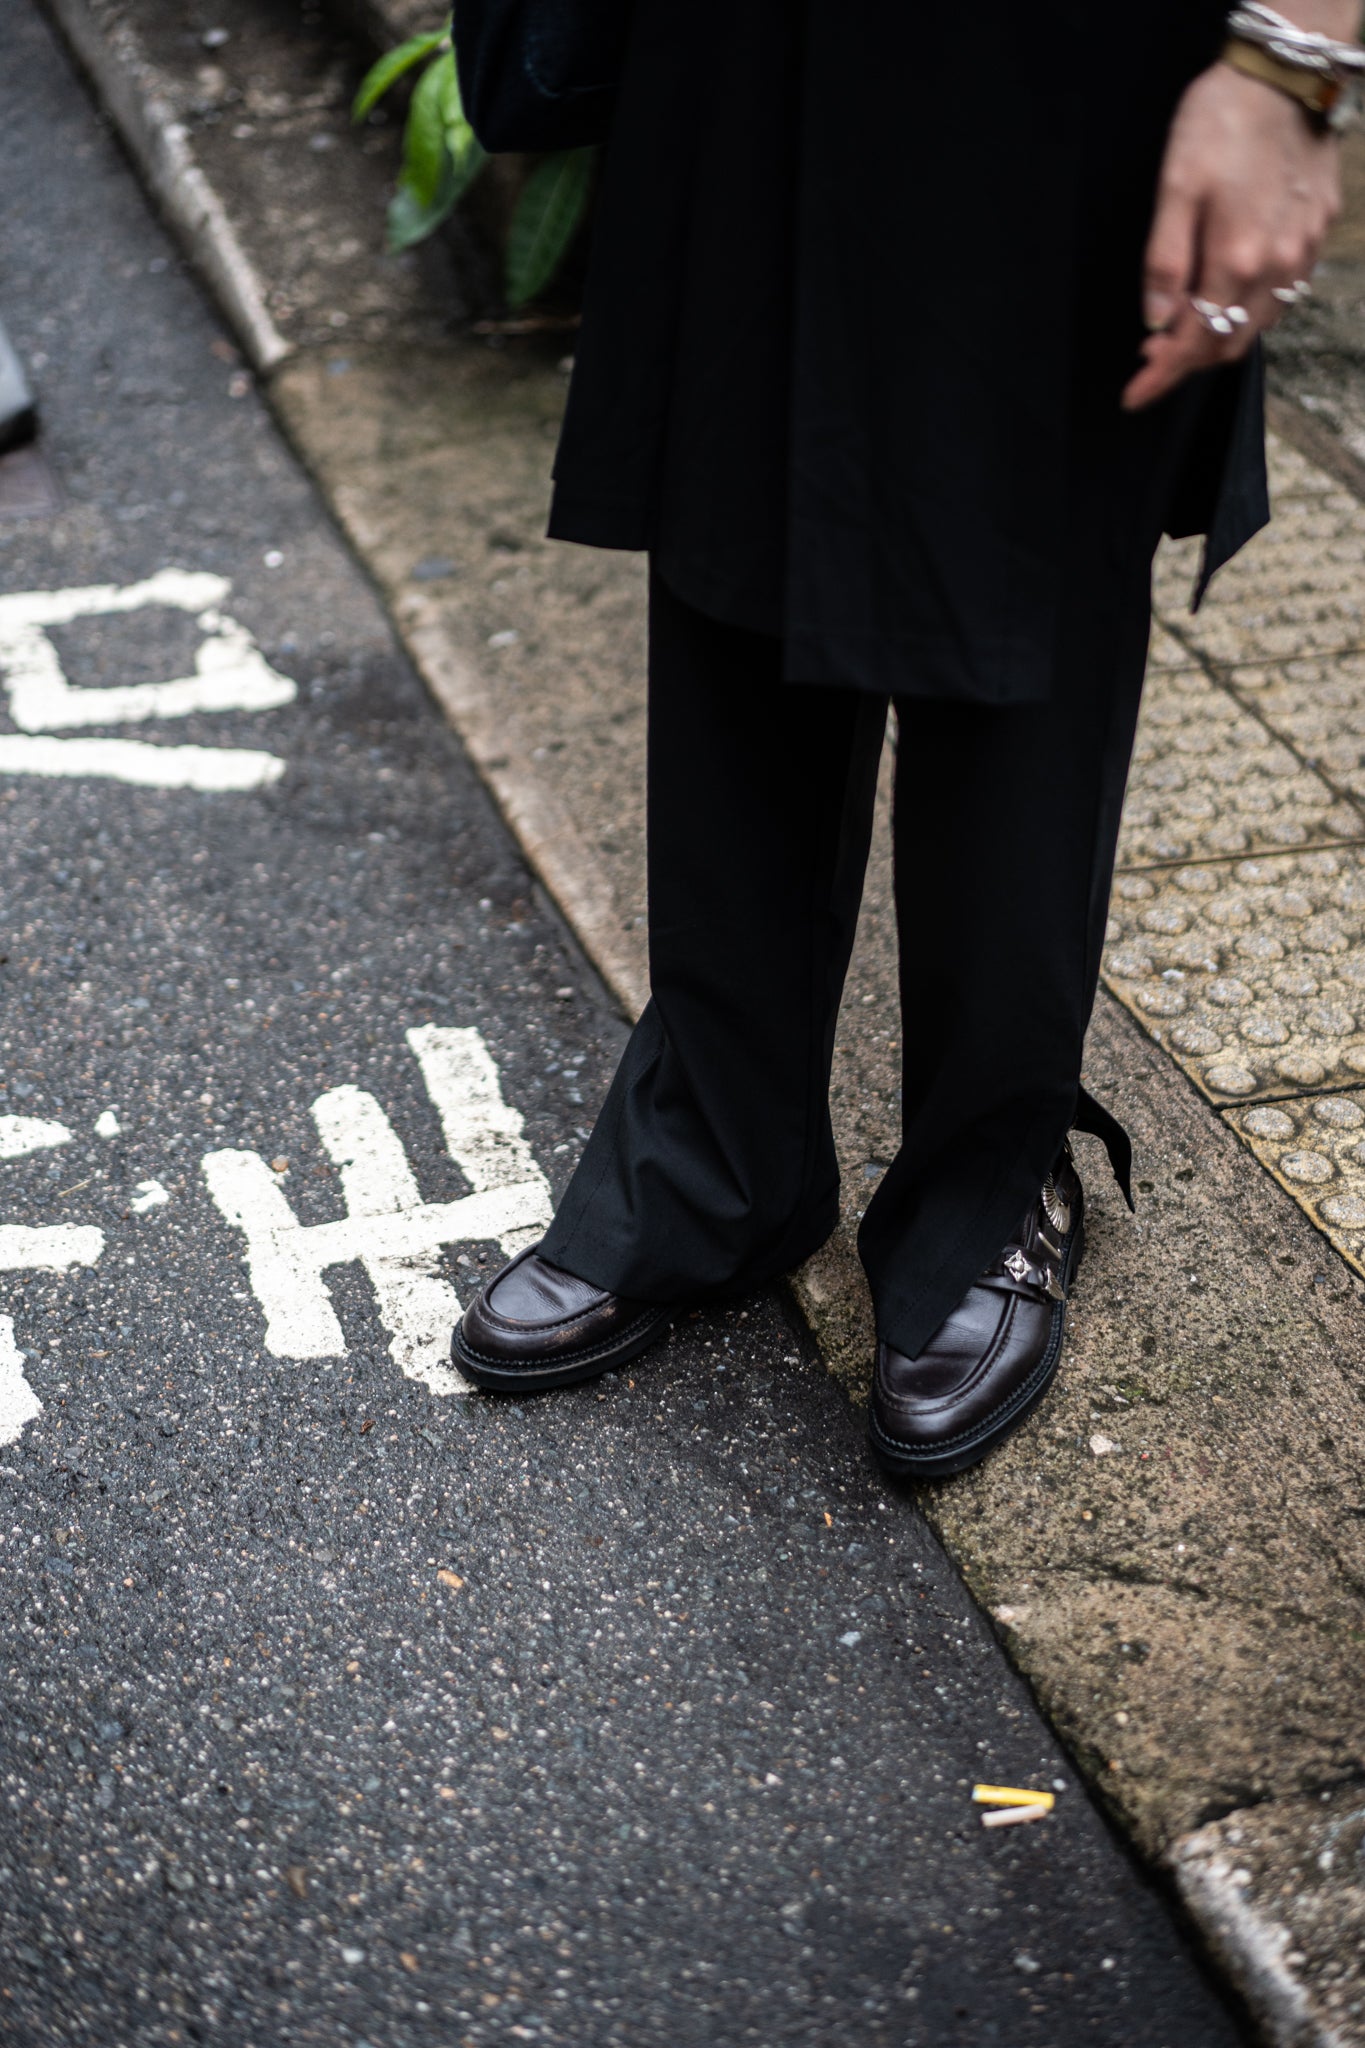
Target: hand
(1247, 193)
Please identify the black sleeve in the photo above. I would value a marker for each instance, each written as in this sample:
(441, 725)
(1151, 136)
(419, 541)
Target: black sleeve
(540, 74)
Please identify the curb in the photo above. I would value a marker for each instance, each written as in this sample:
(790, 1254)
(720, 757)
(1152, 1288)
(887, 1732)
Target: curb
(548, 836)
(159, 147)
(1251, 1947)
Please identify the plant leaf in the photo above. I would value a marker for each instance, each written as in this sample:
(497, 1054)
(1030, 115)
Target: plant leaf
(391, 67)
(546, 219)
(412, 219)
(468, 164)
(438, 133)
(424, 138)
(466, 153)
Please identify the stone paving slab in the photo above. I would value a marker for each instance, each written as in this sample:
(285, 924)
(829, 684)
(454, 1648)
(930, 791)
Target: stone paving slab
(1318, 707)
(1164, 651)
(1295, 590)
(1210, 780)
(1315, 1147)
(1251, 973)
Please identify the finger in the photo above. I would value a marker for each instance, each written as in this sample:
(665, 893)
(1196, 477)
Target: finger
(1169, 263)
(1169, 358)
(1232, 308)
(1239, 275)
(1234, 323)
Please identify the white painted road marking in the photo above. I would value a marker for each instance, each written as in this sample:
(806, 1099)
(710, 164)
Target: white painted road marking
(18, 1402)
(395, 1236)
(388, 1229)
(481, 1130)
(50, 1248)
(231, 674)
(135, 761)
(21, 1134)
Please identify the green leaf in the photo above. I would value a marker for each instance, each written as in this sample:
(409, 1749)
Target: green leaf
(468, 163)
(391, 68)
(441, 157)
(547, 217)
(424, 138)
(461, 140)
(412, 219)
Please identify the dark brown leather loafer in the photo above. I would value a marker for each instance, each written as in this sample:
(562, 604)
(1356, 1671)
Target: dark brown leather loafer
(534, 1327)
(991, 1362)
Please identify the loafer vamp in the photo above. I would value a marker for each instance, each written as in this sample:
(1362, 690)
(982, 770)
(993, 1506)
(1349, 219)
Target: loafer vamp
(534, 1312)
(532, 1295)
(992, 1359)
(971, 1366)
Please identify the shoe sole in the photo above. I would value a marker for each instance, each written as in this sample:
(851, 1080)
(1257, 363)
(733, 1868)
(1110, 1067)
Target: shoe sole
(979, 1443)
(494, 1378)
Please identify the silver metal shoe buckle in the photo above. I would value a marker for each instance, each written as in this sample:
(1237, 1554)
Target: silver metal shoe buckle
(1021, 1268)
(1057, 1211)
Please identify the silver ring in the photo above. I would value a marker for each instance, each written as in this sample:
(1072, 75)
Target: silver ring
(1220, 320)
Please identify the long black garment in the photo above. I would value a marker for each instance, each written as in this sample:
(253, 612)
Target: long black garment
(850, 262)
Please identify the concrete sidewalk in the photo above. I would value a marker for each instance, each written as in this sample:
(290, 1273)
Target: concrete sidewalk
(1173, 1548)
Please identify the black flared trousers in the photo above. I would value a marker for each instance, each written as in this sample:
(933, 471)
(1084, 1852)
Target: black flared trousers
(712, 1167)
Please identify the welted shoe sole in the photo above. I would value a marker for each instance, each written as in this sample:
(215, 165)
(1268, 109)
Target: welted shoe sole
(499, 1376)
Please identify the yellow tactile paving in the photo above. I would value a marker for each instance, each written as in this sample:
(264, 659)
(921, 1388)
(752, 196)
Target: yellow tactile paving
(1293, 476)
(1165, 651)
(1317, 706)
(1250, 972)
(1208, 780)
(1298, 589)
(1315, 1148)
(1237, 927)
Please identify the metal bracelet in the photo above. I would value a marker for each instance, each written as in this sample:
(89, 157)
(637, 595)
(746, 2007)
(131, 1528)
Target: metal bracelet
(1304, 49)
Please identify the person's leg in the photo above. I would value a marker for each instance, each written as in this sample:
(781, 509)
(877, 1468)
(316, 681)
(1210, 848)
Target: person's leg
(1005, 828)
(711, 1167)
(1005, 834)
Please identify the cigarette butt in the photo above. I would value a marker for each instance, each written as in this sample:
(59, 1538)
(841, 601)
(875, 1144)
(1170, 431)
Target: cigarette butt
(1010, 1816)
(1010, 1795)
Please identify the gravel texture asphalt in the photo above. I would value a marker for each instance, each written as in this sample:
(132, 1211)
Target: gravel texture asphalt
(334, 1708)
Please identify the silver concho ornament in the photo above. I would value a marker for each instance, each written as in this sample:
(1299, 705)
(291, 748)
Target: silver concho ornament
(1054, 1208)
(1017, 1265)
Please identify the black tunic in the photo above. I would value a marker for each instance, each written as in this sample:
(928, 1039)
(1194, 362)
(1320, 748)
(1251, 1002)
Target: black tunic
(863, 275)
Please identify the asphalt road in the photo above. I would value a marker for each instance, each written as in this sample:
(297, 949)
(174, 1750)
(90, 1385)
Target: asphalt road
(340, 1705)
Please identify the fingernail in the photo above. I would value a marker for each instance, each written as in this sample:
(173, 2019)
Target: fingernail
(1158, 310)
